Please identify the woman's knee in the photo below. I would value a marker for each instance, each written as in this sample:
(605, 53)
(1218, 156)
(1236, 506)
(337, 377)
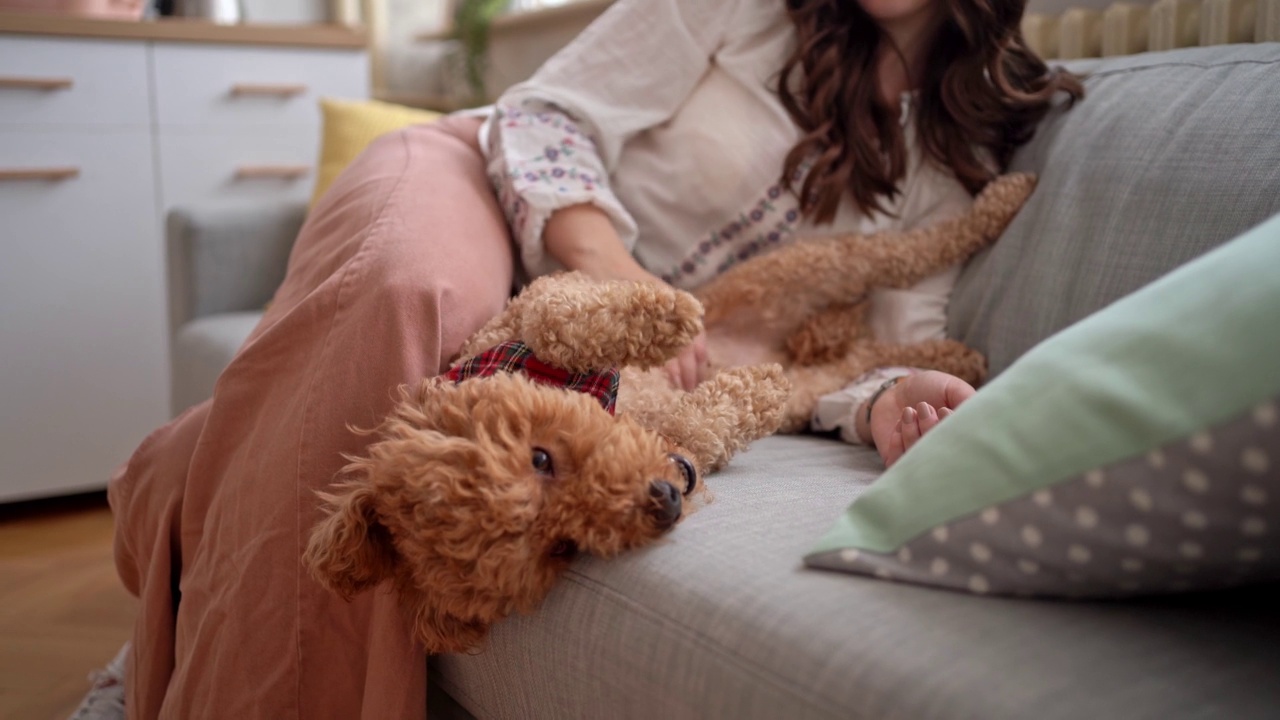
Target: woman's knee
(432, 238)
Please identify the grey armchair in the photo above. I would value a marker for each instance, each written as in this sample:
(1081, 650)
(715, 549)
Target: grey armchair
(224, 265)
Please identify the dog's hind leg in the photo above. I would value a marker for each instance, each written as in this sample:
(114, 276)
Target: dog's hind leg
(949, 356)
(907, 258)
(827, 335)
(793, 282)
(808, 383)
(812, 382)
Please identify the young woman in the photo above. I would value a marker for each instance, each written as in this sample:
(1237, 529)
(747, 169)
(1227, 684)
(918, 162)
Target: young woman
(674, 138)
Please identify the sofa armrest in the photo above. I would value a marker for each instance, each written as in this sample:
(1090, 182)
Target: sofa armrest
(227, 259)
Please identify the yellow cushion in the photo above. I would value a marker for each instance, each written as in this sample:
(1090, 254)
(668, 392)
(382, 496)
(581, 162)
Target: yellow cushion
(350, 125)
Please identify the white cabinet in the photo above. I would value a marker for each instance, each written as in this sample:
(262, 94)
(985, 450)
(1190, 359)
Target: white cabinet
(268, 166)
(237, 124)
(73, 83)
(248, 88)
(98, 139)
(82, 324)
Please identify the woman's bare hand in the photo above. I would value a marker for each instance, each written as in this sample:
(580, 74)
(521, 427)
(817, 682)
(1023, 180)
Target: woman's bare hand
(913, 407)
(689, 368)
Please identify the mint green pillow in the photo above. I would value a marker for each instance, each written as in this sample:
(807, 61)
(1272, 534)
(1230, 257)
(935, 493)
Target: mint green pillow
(1135, 452)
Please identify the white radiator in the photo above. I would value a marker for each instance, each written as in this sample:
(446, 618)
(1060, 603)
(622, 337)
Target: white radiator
(1126, 28)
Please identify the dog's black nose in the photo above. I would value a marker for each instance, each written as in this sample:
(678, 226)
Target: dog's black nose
(666, 503)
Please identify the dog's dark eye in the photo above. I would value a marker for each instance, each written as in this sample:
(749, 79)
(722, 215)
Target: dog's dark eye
(542, 462)
(566, 549)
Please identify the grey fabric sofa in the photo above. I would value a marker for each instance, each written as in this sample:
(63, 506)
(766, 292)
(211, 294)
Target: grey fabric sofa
(223, 266)
(1170, 155)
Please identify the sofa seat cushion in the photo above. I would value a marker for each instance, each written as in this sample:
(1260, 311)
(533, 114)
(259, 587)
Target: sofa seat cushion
(201, 349)
(722, 620)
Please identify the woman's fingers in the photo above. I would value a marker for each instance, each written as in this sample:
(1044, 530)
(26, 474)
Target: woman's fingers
(700, 357)
(688, 369)
(673, 372)
(928, 417)
(893, 448)
(910, 424)
(683, 369)
(916, 420)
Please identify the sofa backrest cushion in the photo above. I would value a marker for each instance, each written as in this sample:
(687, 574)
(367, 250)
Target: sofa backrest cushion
(1169, 155)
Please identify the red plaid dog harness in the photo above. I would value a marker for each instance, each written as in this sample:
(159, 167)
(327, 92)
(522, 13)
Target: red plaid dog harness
(515, 356)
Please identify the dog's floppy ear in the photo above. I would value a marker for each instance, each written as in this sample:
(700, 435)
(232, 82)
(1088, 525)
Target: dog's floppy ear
(349, 550)
(440, 632)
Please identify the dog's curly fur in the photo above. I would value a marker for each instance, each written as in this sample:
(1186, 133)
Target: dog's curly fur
(803, 305)
(476, 495)
(579, 324)
(448, 505)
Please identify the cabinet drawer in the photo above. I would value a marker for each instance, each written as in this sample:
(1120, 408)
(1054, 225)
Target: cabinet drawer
(238, 87)
(83, 374)
(268, 166)
(50, 82)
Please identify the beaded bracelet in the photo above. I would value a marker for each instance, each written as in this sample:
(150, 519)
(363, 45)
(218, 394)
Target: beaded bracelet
(880, 391)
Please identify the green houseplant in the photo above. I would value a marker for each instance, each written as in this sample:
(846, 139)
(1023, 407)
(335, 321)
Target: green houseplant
(471, 21)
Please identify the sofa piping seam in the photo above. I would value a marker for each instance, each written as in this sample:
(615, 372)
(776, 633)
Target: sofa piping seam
(1203, 66)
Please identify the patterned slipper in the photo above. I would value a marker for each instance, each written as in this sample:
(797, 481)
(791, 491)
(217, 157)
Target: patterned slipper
(105, 700)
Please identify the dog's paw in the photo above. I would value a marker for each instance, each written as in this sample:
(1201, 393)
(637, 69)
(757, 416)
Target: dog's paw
(610, 324)
(771, 389)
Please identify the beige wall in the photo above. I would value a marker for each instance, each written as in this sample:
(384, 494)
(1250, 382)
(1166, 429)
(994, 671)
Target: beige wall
(426, 71)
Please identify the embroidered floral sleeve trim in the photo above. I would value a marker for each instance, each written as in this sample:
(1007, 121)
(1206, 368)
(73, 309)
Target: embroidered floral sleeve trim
(558, 167)
(548, 163)
(769, 220)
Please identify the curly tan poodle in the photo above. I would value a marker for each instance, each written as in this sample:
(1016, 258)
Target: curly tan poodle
(478, 492)
(638, 326)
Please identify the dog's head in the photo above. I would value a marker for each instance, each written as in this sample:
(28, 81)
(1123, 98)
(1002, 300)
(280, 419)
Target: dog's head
(478, 495)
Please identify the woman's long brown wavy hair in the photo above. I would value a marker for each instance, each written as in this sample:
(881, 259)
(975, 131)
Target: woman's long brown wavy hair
(983, 91)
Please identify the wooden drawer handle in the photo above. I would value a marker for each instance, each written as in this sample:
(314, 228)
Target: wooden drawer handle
(35, 83)
(50, 174)
(256, 90)
(272, 172)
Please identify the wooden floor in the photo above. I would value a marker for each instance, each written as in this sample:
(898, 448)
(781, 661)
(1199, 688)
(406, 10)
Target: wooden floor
(63, 611)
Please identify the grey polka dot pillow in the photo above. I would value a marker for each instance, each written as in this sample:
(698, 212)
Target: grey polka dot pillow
(1136, 452)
